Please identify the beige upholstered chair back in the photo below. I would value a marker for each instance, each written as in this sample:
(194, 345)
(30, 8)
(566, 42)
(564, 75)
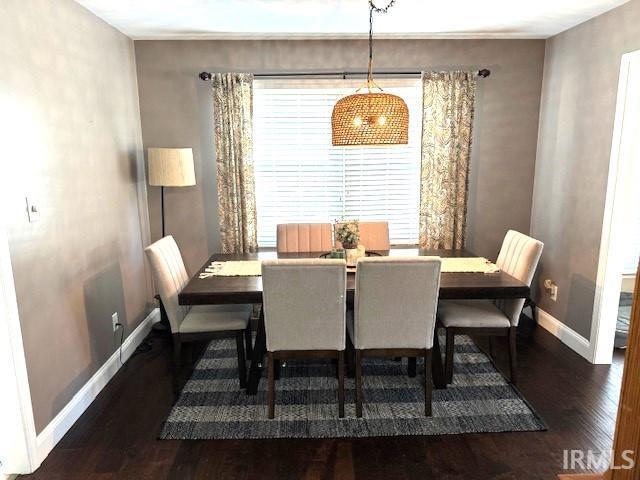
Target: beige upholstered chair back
(396, 302)
(169, 276)
(519, 258)
(304, 304)
(304, 237)
(373, 235)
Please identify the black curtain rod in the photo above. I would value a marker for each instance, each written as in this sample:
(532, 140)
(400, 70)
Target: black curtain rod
(483, 73)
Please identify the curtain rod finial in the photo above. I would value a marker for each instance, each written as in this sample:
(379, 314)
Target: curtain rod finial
(484, 73)
(205, 76)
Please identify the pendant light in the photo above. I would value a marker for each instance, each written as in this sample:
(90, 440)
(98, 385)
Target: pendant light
(372, 117)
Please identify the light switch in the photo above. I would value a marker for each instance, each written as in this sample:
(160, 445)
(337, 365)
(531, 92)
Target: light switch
(33, 210)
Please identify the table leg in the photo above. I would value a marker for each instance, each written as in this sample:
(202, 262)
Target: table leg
(259, 349)
(351, 359)
(411, 366)
(437, 369)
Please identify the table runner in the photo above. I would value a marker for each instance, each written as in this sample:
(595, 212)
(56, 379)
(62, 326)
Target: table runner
(243, 268)
(468, 265)
(251, 268)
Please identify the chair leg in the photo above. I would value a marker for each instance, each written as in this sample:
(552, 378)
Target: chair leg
(248, 340)
(351, 358)
(177, 362)
(411, 366)
(271, 394)
(242, 366)
(341, 384)
(358, 383)
(513, 370)
(428, 385)
(277, 364)
(534, 311)
(449, 349)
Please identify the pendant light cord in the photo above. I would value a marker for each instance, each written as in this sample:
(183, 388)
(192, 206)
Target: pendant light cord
(381, 9)
(373, 8)
(369, 72)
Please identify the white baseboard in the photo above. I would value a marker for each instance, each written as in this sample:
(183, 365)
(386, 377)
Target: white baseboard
(60, 425)
(569, 337)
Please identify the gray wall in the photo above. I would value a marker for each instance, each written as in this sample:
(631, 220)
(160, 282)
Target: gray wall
(176, 112)
(576, 126)
(71, 138)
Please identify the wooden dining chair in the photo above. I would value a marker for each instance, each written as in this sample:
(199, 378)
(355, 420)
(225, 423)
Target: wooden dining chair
(373, 235)
(304, 303)
(519, 258)
(395, 313)
(196, 323)
(303, 237)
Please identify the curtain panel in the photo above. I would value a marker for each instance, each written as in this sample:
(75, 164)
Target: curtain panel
(233, 119)
(447, 123)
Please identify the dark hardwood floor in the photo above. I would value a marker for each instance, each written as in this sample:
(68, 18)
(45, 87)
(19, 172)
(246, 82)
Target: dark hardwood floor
(117, 436)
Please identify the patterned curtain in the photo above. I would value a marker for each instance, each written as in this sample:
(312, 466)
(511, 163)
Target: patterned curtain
(233, 109)
(447, 121)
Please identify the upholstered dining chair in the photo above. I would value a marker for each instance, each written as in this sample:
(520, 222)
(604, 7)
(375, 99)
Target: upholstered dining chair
(519, 256)
(304, 303)
(303, 237)
(395, 313)
(373, 235)
(196, 323)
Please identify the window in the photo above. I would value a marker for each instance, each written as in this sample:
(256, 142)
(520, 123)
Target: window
(301, 177)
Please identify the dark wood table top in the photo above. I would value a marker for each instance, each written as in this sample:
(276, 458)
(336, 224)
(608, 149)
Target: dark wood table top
(218, 290)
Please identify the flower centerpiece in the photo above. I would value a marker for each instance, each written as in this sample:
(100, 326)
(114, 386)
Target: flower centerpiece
(348, 234)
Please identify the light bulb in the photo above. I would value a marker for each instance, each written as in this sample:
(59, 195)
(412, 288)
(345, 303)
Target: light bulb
(382, 120)
(357, 122)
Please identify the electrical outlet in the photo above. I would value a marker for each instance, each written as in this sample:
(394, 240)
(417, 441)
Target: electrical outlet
(33, 211)
(114, 321)
(552, 289)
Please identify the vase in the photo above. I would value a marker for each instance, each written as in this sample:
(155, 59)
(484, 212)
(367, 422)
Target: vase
(353, 254)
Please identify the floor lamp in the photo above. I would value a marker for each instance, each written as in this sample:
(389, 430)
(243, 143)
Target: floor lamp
(170, 167)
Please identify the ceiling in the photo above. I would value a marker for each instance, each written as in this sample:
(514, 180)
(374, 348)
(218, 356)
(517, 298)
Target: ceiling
(277, 19)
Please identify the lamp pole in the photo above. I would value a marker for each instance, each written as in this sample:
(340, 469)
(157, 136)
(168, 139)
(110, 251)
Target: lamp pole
(162, 207)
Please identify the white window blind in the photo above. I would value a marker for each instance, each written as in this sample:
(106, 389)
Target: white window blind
(301, 177)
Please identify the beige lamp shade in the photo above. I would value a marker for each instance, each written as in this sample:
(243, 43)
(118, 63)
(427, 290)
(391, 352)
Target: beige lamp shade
(171, 167)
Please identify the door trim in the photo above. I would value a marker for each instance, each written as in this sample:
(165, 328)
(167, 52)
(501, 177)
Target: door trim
(610, 266)
(23, 458)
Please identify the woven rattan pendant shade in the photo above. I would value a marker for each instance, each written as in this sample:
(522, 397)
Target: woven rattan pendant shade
(370, 119)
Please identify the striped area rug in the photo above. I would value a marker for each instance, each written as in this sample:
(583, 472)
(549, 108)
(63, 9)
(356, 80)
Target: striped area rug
(211, 406)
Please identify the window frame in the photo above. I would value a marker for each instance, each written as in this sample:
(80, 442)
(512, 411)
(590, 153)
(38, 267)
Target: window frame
(338, 88)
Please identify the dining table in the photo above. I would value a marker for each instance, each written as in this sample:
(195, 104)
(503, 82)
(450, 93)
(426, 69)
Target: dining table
(213, 290)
